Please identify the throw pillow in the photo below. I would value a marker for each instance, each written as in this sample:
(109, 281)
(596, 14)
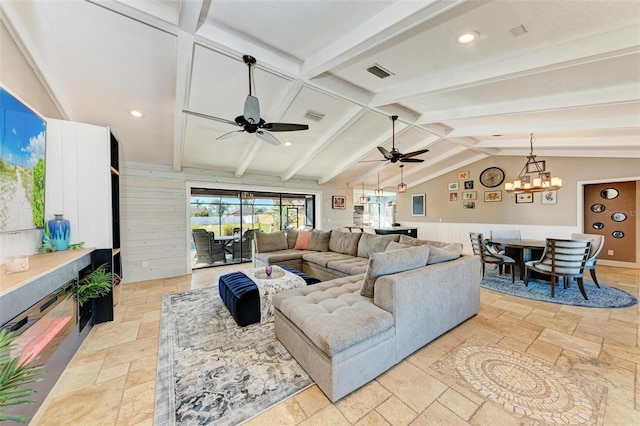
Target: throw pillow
(344, 242)
(270, 241)
(292, 236)
(319, 240)
(373, 243)
(443, 254)
(397, 246)
(302, 242)
(391, 262)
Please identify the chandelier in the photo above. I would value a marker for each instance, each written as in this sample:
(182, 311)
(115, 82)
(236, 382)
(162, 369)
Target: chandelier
(363, 198)
(525, 184)
(378, 191)
(402, 187)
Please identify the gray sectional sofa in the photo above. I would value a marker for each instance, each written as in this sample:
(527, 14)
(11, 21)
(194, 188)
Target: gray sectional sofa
(385, 298)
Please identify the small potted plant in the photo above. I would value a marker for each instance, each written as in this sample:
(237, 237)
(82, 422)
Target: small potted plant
(15, 374)
(96, 284)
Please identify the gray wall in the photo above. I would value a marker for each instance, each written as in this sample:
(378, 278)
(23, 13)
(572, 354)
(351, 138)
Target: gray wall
(571, 170)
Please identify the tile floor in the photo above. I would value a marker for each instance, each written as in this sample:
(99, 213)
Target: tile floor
(111, 380)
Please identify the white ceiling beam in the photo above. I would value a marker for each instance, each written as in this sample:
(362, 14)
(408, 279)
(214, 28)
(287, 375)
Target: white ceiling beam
(365, 149)
(604, 123)
(137, 15)
(331, 134)
(190, 15)
(599, 47)
(396, 19)
(619, 95)
(445, 170)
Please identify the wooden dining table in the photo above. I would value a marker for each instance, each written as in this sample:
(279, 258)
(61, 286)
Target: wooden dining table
(520, 250)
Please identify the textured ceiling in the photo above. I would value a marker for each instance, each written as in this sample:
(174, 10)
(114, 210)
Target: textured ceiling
(573, 78)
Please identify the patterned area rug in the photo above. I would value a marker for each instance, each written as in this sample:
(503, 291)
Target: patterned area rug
(211, 370)
(529, 389)
(603, 297)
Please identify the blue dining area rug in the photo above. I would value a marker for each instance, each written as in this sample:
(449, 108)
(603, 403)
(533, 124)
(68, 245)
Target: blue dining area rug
(603, 297)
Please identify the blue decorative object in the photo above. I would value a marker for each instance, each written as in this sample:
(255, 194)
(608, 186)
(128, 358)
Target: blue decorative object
(59, 231)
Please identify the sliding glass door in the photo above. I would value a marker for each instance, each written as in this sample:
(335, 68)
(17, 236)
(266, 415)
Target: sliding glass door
(224, 222)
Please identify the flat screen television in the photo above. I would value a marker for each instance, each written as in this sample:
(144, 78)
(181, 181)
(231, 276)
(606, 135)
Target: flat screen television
(22, 161)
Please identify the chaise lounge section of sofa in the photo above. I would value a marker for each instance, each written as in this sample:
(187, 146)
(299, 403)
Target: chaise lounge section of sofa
(348, 330)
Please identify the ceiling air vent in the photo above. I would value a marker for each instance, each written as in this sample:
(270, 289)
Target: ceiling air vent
(378, 71)
(517, 31)
(315, 116)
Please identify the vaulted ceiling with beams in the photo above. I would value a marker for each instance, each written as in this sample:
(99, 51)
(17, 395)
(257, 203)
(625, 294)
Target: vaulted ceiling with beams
(569, 71)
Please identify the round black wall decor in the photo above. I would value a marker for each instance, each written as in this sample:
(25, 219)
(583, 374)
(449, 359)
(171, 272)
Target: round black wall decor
(492, 177)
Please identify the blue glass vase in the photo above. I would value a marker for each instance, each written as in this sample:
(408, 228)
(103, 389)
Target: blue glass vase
(59, 231)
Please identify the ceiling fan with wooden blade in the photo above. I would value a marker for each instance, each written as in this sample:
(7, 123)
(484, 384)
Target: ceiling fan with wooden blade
(395, 155)
(250, 121)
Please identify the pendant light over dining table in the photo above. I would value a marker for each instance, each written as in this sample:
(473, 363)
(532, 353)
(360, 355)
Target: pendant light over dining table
(402, 187)
(525, 184)
(363, 198)
(378, 192)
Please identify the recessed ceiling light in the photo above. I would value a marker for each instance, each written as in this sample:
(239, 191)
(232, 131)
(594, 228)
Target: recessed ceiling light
(135, 113)
(468, 36)
(287, 143)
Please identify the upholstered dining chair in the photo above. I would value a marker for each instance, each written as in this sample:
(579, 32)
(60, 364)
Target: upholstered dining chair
(503, 234)
(596, 248)
(480, 249)
(561, 259)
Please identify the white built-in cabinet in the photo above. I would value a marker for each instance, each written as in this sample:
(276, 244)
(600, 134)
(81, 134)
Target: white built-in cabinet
(82, 183)
(78, 180)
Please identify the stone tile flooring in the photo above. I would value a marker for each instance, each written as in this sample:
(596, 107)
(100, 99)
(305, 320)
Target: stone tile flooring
(111, 380)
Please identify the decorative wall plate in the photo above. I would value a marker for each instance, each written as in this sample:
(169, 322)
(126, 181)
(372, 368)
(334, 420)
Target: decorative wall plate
(609, 193)
(492, 177)
(598, 208)
(618, 217)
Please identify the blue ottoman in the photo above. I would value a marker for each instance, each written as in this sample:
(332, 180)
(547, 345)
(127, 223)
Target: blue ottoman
(241, 296)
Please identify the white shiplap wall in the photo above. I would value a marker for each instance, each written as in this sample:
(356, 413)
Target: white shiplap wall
(154, 220)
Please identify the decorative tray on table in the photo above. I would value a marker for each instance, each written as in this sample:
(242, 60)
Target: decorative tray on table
(262, 275)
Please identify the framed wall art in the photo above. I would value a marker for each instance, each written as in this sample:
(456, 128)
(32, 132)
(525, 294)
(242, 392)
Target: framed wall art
(469, 195)
(550, 197)
(468, 184)
(417, 205)
(463, 174)
(339, 202)
(453, 186)
(453, 196)
(492, 196)
(469, 205)
(524, 198)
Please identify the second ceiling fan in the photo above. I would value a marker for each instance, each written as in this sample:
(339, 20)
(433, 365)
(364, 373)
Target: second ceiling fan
(250, 121)
(395, 155)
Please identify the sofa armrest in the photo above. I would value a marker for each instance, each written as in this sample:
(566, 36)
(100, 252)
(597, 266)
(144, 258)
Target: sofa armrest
(427, 302)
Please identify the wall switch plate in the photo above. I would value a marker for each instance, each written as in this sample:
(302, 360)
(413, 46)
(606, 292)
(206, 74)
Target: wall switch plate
(610, 252)
(145, 264)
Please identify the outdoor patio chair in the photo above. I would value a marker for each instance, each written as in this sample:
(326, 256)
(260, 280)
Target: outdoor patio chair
(561, 259)
(243, 246)
(207, 251)
(480, 249)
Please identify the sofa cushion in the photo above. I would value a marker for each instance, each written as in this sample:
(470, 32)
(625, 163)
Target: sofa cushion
(372, 243)
(270, 241)
(443, 254)
(390, 262)
(319, 240)
(344, 242)
(440, 251)
(350, 266)
(292, 237)
(279, 256)
(333, 315)
(405, 239)
(323, 258)
(303, 240)
(397, 246)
